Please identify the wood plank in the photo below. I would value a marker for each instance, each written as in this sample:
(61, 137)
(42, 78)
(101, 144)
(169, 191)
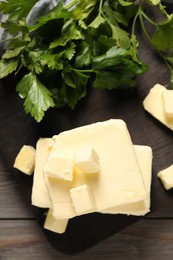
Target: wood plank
(145, 240)
(22, 239)
(12, 200)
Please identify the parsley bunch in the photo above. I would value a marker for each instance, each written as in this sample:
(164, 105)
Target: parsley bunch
(62, 49)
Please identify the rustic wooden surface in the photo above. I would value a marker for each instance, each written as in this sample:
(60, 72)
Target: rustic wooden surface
(94, 236)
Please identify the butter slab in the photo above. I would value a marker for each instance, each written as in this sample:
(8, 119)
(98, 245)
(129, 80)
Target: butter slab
(111, 141)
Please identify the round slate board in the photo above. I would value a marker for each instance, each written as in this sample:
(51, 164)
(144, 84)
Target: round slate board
(17, 129)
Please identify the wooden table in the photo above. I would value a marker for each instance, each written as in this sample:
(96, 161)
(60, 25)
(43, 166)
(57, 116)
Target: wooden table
(93, 237)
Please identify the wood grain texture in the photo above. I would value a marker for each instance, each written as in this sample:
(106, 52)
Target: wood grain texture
(12, 201)
(145, 240)
(22, 239)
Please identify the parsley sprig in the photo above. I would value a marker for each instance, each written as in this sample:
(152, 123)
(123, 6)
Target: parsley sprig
(60, 51)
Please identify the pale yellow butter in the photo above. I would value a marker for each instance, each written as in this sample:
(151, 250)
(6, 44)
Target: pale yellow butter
(60, 197)
(154, 104)
(40, 194)
(144, 157)
(119, 180)
(166, 177)
(59, 167)
(64, 165)
(86, 159)
(25, 160)
(168, 102)
(55, 225)
(82, 199)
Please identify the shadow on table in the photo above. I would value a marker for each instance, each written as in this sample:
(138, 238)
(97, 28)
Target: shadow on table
(87, 230)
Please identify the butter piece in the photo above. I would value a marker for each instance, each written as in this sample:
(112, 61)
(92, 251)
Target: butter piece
(25, 160)
(153, 104)
(56, 225)
(119, 181)
(40, 194)
(61, 168)
(86, 159)
(82, 199)
(168, 102)
(144, 157)
(60, 198)
(166, 177)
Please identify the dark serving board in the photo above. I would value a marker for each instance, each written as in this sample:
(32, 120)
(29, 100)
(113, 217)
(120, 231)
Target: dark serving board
(17, 129)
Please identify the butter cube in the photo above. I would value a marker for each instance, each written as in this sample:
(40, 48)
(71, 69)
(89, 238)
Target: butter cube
(25, 160)
(166, 177)
(86, 159)
(82, 199)
(168, 102)
(61, 168)
(154, 104)
(55, 225)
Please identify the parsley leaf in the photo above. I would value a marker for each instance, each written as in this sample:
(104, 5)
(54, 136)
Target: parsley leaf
(7, 67)
(16, 9)
(37, 97)
(65, 47)
(111, 58)
(83, 55)
(111, 80)
(125, 3)
(68, 34)
(154, 2)
(163, 37)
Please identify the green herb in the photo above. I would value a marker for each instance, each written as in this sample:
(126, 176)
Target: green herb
(63, 49)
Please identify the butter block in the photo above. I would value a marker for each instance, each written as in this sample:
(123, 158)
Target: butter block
(86, 159)
(153, 104)
(168, 102)
(166, 177)
(61, 168)
(55, 225)
(119, 181)
(82, 199)
(144, 157)
(25, 160)
(40, 195)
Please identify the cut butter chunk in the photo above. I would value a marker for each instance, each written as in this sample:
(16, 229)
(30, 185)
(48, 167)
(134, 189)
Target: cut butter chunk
(61, 168)
(25, 160)
(40, 195)
(60, 197)
(86, 159)
(154, 104)
(166, 177)
(55, 225)
(144, 157)
(168, 102)
(119, 181)
(82, 199)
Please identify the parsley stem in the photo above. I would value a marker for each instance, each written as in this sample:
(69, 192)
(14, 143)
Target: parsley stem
(100, 6)
(134, 23)
(85, 71)
(71, 4)
(141, 14)
(148, 19)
